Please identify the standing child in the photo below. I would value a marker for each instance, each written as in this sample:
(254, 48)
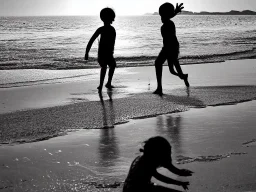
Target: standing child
(156, 153)
(170, 50)
(106, 47)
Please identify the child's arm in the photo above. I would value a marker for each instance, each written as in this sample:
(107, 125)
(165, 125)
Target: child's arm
(168, 180)
(89, 45)
(180, 172)
(178, 9)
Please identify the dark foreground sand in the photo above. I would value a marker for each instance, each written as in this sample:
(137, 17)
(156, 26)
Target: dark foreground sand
(217, 143)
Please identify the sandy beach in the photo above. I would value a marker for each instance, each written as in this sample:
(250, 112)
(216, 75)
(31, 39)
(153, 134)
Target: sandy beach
(59, 134)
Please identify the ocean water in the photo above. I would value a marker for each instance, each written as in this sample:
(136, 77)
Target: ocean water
(60, 42)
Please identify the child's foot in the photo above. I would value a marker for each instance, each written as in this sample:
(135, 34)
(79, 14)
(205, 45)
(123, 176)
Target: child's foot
(186, 80)
(109, 86)
(158, 92)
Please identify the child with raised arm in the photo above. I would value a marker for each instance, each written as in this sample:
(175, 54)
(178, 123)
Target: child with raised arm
(156, 153)
(170, 50)
(106, 47)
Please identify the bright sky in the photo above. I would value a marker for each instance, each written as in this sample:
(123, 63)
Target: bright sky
(121, 7)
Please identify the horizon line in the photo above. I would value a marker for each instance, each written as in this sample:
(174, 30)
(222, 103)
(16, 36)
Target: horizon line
(58, 15)
(144, 14)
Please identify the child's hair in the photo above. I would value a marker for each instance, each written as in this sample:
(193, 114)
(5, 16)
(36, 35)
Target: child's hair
(166, 10)
(107, 14)
(155, 146)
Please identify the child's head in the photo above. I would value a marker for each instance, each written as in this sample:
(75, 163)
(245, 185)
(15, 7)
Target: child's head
(166, 10)
(158, 149)
(107, 15)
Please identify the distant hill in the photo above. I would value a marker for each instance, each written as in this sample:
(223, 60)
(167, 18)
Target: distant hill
(232, 12)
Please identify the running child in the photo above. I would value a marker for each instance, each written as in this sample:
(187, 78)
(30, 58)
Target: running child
(170, 50)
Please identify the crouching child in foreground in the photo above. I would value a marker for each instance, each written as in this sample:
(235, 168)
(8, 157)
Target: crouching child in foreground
(156, 153)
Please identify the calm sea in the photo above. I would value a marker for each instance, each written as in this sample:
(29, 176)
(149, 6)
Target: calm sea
(60, 42)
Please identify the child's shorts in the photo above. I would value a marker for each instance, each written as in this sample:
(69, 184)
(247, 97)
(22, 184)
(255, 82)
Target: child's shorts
(167, 54)
(107, 60)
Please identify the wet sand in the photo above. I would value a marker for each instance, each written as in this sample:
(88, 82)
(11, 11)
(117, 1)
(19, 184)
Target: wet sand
(38, 112)
(32, 89)
(217, 143)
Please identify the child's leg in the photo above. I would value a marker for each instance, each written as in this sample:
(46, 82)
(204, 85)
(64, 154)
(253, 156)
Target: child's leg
(103, 71)
(172, 60)
(171, 68)
(180, 72)
(112, 67)
(159, 70)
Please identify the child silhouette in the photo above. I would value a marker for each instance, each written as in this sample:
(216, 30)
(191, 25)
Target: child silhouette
(156, 153)
(170, 50)
(106, 46)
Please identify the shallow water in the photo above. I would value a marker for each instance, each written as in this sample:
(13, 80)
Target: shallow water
(59, 42)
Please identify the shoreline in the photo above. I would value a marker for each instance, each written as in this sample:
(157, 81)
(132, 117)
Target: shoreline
(94, 64)
(45, 123)
(112, 126)
(52, 109)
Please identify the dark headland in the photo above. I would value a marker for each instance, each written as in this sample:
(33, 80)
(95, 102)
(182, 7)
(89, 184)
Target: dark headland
(232, 12)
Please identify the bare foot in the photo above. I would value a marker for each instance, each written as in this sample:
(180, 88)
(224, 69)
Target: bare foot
(158, 92)
(109, 86)
(186, 80)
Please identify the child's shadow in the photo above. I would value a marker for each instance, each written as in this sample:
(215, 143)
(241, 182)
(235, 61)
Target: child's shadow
(184, 100)
(108, 142)
(108, 112)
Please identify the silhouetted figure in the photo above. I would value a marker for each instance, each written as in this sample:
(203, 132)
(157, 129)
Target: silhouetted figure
(170, 50)
(156, 153)
(106, 46)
